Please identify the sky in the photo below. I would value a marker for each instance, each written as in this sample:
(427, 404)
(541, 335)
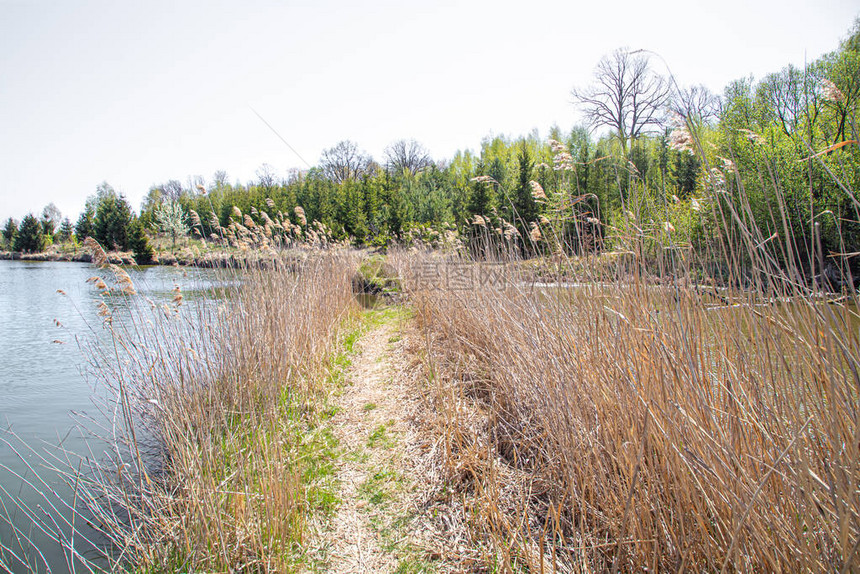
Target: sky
(138, 93)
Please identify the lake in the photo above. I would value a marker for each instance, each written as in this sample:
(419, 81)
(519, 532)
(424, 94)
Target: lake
(43, 383)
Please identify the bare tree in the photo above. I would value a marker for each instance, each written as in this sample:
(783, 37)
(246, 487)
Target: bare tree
(171, 190)
(697, 104)
(51, 218)
(344, 162)
(784, 100)
(267, 178)
(626, 96)
(195, 182)
(295, 175)
(405, 155)
(220, 179)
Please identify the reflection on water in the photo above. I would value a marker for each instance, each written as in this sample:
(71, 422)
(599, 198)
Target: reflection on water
(42, 380)
(370, 300)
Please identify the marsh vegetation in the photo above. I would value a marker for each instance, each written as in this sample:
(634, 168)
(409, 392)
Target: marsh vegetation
(636, 351)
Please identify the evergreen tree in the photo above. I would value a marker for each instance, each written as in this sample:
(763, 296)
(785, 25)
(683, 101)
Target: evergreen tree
(579, 143)
(10, 231)
(51, 218)
(352, 210)
(84, 226)
(373, 202)
(30, 238)
(433, 204)
(524, 202)
(139, 242)
(684, 169)
(64, 234)
(397, 208)
(481, 197)
(497, 170)
(111, 222)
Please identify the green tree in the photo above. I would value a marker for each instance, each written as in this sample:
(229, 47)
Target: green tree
(497, 170)
(372, 191)
(353, 215)
(64, 233)
(154, 197)
(10, 231)
(432, 197)
(481, 196)
(51, 218)
(398, 210)
(852, 42)
(84, 226)
(30, 238)
(683, 167)
(111, 221)
(843, 93)
(524, 203)
(139, 242)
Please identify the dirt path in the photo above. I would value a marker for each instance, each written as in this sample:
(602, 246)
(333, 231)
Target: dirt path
(375, 529)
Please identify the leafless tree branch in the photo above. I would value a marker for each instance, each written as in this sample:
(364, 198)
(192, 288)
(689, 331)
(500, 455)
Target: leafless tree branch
(626, 96)
(407, 155)
(344, 162)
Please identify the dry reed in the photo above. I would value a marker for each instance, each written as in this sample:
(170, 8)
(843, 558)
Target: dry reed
(209, 418)
(626, 426)
(641, 417)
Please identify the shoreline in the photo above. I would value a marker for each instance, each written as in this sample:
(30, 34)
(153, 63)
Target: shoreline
(211, 260)
(77, 257)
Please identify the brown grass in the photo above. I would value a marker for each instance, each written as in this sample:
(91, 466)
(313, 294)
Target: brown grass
(629, 426)
(212, 407)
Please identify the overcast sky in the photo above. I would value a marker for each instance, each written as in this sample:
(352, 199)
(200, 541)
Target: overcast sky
(136, 93)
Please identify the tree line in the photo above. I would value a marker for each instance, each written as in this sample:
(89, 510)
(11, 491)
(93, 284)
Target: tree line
(107, 217)
(653, 157)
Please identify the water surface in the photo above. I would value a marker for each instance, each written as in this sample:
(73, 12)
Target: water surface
(43, 382)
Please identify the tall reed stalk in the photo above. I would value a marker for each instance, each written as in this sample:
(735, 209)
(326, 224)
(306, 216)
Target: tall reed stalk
(211, 410)
(683, 410)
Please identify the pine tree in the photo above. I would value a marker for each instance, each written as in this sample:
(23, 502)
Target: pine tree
(10, 231)
(51, 218)
(111, 222)
(30, 238)
(497, 170)
(397, 208)
(684, 169)
(64, 234)
(84, 226)
(352, 210)
(525, 205)
(326, 206)
(372, 202)
(481, 196)
(139, 242)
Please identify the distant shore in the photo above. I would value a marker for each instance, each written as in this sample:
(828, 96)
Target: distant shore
(210, 260)
(77, 256)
